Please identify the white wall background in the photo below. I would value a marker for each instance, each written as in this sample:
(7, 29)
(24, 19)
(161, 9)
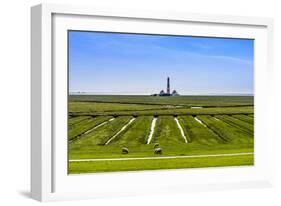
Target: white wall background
(15, 100)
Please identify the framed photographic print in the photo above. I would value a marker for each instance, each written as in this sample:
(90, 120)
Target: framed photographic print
(137, 102)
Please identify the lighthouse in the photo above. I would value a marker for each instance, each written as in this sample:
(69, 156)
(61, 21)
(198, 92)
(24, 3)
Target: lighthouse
(168, 92)
(168, 85)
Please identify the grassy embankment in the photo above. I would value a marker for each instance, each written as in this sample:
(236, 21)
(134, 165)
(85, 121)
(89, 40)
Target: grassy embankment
(231, 132)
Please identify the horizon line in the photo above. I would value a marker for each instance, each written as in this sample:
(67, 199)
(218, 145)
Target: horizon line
(145, 94)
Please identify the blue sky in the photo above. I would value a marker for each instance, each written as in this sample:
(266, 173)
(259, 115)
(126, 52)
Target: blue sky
(115, 63)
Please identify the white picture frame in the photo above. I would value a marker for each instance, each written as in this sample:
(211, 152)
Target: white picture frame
(49, 179)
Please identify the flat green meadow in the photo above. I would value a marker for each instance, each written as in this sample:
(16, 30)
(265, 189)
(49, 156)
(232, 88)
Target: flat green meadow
(122, 133)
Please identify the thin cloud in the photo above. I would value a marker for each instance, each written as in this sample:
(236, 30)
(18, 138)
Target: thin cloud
(232, 59)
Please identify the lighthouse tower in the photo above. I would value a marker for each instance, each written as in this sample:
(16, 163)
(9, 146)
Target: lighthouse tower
(168, 93)
(168, 86)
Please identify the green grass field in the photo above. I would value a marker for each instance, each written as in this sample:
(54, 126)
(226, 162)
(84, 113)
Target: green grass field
(100, 126)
